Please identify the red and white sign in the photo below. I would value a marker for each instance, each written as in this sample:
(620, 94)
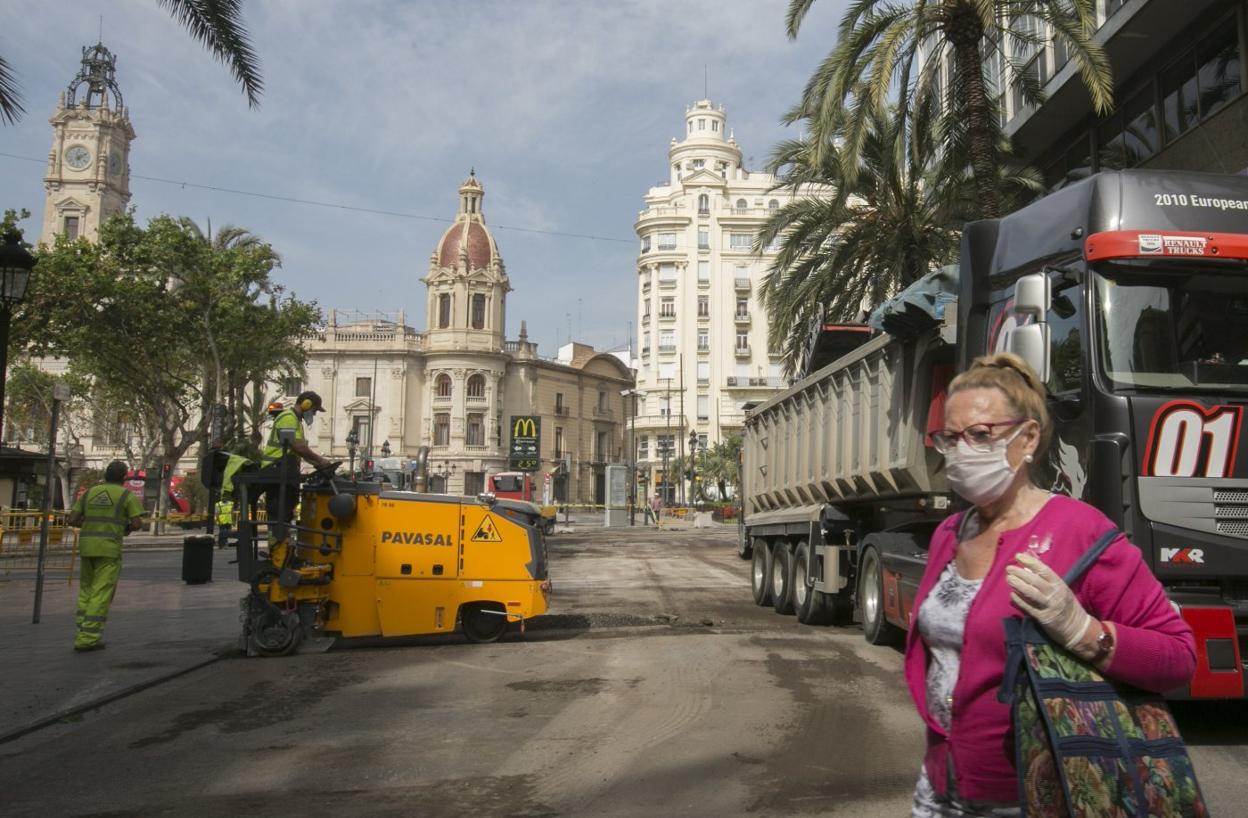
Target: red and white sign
(1135, 244)
(1187, 440)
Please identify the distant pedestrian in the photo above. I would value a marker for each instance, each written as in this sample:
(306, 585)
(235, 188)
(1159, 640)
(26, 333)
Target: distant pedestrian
(106, 513)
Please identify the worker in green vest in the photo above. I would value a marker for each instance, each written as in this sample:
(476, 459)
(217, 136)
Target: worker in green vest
(306, 405)
(106, 513)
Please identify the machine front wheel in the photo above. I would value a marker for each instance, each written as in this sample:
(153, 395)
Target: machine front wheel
(484, 622)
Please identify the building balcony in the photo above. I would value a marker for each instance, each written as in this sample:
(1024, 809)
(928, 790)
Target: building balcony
(741, 318)
(668, 283)
(562, 411)
(645, 351)
(742, 351)
(740, 283)
(667, 316)
(704, 316)
(704, 283)
(672, 348)
(603, 412)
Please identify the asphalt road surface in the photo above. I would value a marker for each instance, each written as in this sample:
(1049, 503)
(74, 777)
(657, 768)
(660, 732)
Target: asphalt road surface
(655, 688)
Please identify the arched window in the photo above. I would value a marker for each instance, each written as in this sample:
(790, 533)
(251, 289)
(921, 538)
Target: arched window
(476, 386)
(478, 311)
(442, 386)
(704, 203)
(741, 204)
(773, 205)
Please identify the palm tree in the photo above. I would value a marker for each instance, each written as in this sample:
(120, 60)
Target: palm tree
(216, 24)
(886, 47)
(892, 216)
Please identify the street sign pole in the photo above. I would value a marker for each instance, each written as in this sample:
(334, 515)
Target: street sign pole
(60, 392)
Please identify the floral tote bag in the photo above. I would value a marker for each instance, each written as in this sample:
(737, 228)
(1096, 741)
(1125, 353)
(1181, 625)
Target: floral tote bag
(1086, 747)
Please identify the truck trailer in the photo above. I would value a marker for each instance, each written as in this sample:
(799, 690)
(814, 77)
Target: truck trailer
(1128, 293)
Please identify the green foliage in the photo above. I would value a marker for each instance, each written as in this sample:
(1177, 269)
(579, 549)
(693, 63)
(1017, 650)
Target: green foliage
(139, 314)
(195, 492)
(877, 61)
(11, 219)
(719, 463)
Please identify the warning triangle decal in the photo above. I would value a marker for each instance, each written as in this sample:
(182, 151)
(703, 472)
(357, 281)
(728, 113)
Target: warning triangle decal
(102, 499)
(487, 531)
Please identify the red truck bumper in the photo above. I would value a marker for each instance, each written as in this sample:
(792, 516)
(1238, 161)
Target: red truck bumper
(1219, 661)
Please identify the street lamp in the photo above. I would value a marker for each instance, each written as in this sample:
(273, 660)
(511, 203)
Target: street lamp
(446, 473)
(353, 441)
(693, 466)
(16, 262)
(385, 448)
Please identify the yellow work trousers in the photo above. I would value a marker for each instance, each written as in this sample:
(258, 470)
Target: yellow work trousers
(97, 584)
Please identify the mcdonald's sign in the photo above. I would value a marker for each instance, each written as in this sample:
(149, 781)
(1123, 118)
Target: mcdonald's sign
(526, 442)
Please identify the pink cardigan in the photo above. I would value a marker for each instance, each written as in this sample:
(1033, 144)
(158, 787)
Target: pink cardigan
(1155, 649)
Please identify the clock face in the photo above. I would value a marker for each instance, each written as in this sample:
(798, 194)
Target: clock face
(114, 164)
(77, 157)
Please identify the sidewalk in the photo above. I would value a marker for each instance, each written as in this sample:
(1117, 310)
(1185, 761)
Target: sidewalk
(158, 626)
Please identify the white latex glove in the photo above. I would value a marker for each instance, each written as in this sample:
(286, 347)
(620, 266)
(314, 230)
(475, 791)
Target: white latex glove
(1047, 598)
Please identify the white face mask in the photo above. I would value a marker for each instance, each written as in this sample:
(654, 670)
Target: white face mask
(980, 477)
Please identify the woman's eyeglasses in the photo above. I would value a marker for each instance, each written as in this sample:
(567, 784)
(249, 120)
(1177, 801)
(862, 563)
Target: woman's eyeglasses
(979, 436)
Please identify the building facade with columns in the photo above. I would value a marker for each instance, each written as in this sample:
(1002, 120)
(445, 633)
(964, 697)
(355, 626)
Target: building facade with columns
(703, 331)
(453, 386)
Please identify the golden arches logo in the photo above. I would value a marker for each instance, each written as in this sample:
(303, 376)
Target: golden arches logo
(524, 427)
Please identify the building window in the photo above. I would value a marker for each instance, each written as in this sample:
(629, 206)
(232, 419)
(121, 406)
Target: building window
(773, 205)
(714, 124)
(667, 241)
(441, 429)
(643, 447)
(444, 310)
(667, 273)
(667, 341)
(475, 435)
(701, 124)
(558, 442)
(474, 483)
(442, 386)
(704, 271)
(645, 244)
(71, 227)
(292, 386)
(704, 340)
(743, 308)
(476, 386)
(704, 204)
(704, 240)
(704, 371)
(667, 373)
(559, 408)
(740, 241)
(704, 408)
(667, 306)
(665, 407)
(704, 306)
(601, 447)
(363, 387)
(478, 311)
(743, 340)
(741, 206)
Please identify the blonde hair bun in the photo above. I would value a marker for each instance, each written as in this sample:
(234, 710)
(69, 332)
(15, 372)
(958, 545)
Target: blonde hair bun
(1019, 383)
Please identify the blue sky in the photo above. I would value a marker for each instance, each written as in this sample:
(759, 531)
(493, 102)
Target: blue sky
(565, 108)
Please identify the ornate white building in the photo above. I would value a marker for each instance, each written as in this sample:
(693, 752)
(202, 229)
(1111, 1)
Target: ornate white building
(703, 332)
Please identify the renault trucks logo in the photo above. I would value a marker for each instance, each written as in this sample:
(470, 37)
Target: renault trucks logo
(526, 440)
(1155, 244)
(1183, 556)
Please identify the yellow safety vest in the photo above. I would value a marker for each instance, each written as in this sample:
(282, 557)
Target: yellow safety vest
(287, 419)
(105, 510)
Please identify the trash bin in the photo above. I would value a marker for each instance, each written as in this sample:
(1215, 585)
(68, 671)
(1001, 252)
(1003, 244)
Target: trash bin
(197, 558)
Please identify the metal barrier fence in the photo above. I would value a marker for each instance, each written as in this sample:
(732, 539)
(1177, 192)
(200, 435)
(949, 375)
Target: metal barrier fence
(19, 542)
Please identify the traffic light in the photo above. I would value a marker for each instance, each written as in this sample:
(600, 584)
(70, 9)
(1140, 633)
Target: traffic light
(368, 466)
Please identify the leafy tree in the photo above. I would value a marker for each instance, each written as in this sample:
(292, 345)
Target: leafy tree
(216, 24)
(719, 462)
(882, 226)
(891, 51)
(128, 313)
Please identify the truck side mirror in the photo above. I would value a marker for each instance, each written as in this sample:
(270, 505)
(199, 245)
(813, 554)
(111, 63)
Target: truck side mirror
(1031, 343)
(1033, 295)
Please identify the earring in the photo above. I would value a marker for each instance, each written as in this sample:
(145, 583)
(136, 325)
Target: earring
(1027, 458)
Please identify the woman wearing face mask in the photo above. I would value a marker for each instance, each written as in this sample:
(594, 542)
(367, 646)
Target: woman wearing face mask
(1005, 557)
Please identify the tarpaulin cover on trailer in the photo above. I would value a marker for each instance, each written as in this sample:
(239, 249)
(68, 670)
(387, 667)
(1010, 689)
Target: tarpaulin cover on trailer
(920, 306)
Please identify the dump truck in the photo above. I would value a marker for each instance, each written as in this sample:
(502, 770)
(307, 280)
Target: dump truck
(364, 559)
(1128, 293)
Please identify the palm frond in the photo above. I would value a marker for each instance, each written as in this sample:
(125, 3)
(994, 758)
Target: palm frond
(217, 24)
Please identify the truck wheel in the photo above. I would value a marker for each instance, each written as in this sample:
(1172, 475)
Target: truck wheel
(760, 572)
(875, 626)
(809, 604)
(745, 546)
(782, 578)
(484, 622)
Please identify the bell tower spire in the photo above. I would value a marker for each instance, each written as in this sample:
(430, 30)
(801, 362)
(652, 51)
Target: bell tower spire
(88, 176)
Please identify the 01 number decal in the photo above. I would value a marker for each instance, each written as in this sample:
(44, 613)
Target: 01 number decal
(1188, 440)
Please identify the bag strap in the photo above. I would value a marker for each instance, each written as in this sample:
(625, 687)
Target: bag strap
(1090, 556)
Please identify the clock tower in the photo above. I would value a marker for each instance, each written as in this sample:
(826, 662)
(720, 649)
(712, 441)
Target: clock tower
(88, 178)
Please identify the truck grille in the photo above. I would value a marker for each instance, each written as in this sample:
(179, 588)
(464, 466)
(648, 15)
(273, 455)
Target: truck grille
(1230, 512)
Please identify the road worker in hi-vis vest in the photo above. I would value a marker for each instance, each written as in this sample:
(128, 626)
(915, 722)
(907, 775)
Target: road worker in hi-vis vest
(106, 513)
(305, 407)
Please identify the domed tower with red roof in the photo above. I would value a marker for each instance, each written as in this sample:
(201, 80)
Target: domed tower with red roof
(467, 282)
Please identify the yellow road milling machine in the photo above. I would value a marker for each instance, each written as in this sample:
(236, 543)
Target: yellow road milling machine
(364, 560)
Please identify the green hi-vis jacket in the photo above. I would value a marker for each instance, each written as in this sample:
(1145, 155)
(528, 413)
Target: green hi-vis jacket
(273, 450)
(105, 510)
